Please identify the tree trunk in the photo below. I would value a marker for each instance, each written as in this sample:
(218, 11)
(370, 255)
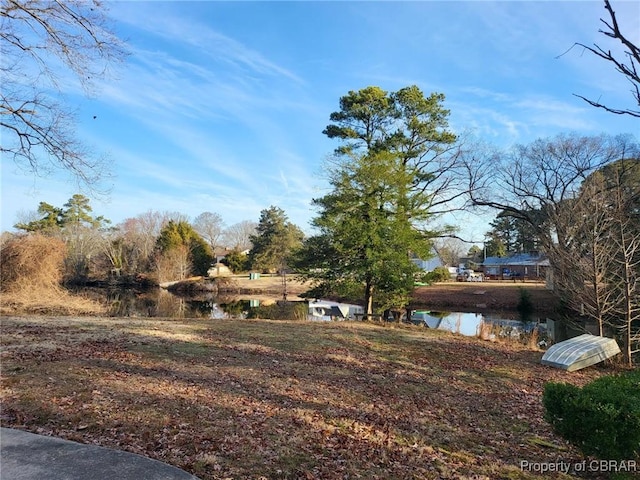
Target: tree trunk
(627, 250)
(368, 298)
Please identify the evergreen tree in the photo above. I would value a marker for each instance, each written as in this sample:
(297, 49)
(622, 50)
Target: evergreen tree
(510, 234)
(49, 223)
(475, 253)
(183, 250)
(494, 246)
(392, 174)
(236, 261)
(365, 237)
(274, 241)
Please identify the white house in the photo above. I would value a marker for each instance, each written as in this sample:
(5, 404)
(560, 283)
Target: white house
(430, 264)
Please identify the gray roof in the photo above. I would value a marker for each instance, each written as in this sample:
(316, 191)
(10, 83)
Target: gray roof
(517, 259)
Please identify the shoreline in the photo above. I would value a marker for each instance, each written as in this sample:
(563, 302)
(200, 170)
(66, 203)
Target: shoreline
(489, 296)
(481, 297)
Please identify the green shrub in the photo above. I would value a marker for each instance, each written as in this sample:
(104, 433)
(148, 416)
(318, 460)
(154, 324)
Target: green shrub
(438, 274)
(602, 418)
(236, 261)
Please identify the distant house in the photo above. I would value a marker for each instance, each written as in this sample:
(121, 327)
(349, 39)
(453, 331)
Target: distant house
(221, 252)
(431, 264)
(517, 266)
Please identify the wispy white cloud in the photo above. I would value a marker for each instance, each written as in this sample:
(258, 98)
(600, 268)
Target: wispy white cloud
(203, 39)
(510, 118)
(549, 112)
(157, 83)
(486, 94)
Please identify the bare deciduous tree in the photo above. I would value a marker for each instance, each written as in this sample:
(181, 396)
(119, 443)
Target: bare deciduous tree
(174, 264)
(115, 251)
(451, 250)
(585, 263)
(582, 196)
(211, 227)
(625, 268)
(41, 41)
(627, 67)
(238, 235)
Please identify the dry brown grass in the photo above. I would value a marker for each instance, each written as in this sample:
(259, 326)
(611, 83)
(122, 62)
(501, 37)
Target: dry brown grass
(30, 276)
(283, 399)
(49, 302)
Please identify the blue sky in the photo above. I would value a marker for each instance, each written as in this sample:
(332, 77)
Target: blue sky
(221, 105)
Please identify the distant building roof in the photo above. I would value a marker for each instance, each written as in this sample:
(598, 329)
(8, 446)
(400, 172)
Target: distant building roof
(516, 259)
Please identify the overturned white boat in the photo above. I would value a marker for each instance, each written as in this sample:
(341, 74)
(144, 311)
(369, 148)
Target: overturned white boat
(580, 352)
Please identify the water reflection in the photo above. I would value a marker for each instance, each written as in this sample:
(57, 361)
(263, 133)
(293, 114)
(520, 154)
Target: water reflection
(480, 324)
(162, 303)
(157, 302)
(154, 302)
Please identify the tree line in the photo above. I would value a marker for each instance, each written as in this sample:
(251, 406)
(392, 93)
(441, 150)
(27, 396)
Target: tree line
(159, 246)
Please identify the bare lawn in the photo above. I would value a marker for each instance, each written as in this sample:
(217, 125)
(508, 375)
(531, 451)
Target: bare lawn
(491, 295)
(252, 399)
(451, 296)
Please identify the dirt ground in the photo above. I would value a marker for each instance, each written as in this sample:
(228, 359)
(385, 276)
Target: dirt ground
(491, 295)
(264, 287)
(467, 296)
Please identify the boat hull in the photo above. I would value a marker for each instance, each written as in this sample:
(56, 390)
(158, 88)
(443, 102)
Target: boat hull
(580, 352)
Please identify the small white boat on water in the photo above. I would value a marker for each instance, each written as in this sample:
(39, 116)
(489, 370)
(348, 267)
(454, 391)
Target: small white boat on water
(580, 352)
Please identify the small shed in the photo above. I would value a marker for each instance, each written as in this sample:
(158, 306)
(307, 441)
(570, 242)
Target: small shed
(580, 352)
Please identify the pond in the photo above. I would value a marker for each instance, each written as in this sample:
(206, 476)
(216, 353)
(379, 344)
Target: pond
(486, 325)
(158, 302)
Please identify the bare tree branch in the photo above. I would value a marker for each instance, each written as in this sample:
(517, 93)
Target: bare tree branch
(40, 40)
(629, 70)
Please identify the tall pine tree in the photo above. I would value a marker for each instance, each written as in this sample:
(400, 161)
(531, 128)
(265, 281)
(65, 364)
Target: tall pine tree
(391, 174)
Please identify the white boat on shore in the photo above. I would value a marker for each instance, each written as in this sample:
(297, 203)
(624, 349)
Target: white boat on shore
(580, 352)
